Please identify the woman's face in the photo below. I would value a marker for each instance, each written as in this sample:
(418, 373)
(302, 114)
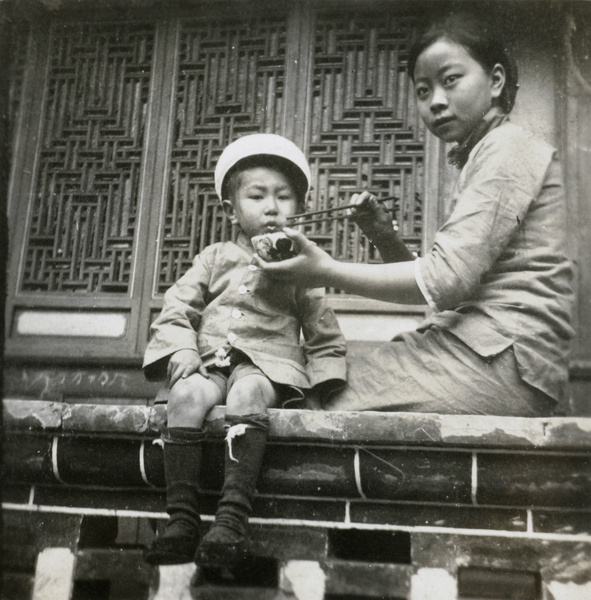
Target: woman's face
(453, 90)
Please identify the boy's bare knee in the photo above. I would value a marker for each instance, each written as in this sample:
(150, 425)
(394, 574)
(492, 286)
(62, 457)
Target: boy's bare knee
(251, 394)
(255, 385)
(191, 399)
(184, 391)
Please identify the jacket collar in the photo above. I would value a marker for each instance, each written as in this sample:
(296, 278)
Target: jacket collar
(458, 155)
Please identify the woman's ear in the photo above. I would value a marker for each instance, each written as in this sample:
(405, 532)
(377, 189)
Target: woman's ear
(229, 210)
(497, 80)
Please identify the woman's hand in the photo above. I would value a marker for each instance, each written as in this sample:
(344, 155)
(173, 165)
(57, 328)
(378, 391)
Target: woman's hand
(184, 363)
(368, 213)
(314, 268)
(379, 228)
(310, 268)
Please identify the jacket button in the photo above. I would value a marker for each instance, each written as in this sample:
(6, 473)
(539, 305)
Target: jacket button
(236, 314)
(252, 267)
(232, 337)
(242, 289)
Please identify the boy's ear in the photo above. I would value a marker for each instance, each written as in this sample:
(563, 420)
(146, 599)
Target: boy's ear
(497, 79)
(229, 210)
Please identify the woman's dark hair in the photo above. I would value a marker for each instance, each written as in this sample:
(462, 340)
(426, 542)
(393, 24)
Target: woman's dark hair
(297, 179)
(481, 41)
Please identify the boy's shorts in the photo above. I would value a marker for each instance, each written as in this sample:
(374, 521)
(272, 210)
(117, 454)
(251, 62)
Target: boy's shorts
(288, 396)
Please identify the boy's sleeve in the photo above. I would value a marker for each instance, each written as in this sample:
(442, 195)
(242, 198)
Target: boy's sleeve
(176, 326)
(324, 345)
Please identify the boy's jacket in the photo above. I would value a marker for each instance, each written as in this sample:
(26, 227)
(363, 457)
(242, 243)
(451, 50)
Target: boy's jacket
(225, 298)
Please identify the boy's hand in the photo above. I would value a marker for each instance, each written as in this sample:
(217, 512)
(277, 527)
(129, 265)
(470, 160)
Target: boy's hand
(368, 213)
(184, 363)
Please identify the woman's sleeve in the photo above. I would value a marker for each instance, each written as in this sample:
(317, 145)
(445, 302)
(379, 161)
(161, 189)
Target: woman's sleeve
(495, 191)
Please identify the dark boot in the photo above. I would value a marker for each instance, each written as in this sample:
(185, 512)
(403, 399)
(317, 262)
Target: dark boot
(225, 544)
(182, 465)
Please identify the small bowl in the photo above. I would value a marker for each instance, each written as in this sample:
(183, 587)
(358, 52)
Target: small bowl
(274, 247)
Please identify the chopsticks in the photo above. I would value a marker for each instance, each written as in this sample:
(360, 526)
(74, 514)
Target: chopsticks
(307, 221)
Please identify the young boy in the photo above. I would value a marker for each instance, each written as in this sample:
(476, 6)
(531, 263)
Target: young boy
(227, 333)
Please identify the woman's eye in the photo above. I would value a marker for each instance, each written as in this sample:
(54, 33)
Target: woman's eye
(450, 79)
(422, 92)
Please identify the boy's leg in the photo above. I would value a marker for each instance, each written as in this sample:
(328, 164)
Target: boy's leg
(247, 424)
(182, 466)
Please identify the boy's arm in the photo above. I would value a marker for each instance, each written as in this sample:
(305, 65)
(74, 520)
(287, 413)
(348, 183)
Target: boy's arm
(176, 327)
(325, 348)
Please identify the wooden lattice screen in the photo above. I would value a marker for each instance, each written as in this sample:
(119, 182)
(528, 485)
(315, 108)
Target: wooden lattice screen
(84, 206)
(364, 131)
(115, 195)
(230, 82)
(362, 128)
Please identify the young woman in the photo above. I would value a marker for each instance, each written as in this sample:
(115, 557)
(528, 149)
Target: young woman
(497, 277)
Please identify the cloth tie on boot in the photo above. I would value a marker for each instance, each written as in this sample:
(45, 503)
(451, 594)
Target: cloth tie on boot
(226, 542)
(233, 432)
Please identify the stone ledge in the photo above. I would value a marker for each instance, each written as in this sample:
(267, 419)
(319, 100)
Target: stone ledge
(379, 428)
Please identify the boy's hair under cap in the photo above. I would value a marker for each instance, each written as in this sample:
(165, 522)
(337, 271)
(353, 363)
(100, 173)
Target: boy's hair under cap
(260, 144)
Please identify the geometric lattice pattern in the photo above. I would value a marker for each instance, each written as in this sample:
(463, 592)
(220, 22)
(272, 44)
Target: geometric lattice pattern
(84, 211)
(230, 83)
(365, 132)
(230, 80)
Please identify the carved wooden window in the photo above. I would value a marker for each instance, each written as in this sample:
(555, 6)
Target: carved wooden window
(112, 180)
(84, 212)
(229, 83)
(364, 130)
(79, 163)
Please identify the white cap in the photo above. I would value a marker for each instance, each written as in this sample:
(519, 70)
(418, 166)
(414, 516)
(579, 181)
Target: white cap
(255, 145)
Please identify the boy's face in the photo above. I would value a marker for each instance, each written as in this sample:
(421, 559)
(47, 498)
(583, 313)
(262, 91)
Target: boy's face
(453, 90)
(264, 200)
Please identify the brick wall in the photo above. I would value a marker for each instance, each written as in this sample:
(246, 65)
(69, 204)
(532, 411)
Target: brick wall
(384, 504)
